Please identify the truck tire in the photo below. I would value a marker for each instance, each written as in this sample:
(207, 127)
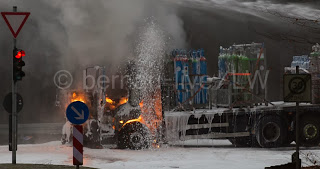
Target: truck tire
(134, 136)
(309, 131)
(271, 131)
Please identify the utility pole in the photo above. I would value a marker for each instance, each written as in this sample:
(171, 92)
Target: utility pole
(298, 163)
(14, 105)
(17, 75)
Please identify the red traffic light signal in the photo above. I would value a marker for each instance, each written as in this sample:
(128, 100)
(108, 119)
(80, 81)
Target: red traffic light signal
(20, 54)
(18, 63)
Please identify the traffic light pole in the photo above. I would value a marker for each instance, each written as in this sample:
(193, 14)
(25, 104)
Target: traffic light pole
(14, 107)
(298, 162)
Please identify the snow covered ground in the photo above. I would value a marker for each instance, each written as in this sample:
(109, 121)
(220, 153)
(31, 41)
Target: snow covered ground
(204, 154)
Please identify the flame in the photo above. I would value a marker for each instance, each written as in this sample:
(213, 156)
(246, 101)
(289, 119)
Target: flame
(151, 112)
(123, 100)
(112, 107)
(111, 104)
(110, 101)
(140, 119)
(76, 97)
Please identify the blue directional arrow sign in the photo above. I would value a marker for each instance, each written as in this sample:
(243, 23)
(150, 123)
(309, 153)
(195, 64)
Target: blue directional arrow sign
(77, 112)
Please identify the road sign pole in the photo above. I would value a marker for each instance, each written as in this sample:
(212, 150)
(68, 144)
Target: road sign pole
(10, 130)
(13, 115)
(14, 108)
(298, 164)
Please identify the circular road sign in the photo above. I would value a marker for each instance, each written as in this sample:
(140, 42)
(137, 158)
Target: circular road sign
(297, 85)
(77, 112)
(7, 102)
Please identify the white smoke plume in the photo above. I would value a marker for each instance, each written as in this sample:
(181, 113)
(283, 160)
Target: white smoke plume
(76, 34)
(96, 32)
(73, 34)
(104, 31)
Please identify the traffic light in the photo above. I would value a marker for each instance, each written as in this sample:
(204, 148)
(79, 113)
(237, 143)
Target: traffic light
(18, 63)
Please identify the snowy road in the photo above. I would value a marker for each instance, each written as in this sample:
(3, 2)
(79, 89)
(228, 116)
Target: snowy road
(221, 155)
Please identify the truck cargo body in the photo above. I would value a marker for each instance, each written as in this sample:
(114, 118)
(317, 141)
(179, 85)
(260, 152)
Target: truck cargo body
(265, 126)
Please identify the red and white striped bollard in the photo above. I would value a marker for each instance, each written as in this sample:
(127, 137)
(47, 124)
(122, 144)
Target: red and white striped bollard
(77, 145)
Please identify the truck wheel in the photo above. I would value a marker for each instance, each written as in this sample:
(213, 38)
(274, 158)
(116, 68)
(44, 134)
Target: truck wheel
(134, 136)
(309, 132)
(271, 132)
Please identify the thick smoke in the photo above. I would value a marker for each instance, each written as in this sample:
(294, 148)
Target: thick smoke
(104, 31)
(73, 35)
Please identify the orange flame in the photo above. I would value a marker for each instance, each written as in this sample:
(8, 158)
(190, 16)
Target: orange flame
(151, 112)
(123, 100)
(76, 97)
(110, 101)
(111, 104)
(135, 120)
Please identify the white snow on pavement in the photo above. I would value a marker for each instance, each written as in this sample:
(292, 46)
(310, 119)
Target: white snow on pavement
(202, 154)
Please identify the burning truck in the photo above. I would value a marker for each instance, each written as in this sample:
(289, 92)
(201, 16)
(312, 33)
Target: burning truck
(128, 121)
(184, 103)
